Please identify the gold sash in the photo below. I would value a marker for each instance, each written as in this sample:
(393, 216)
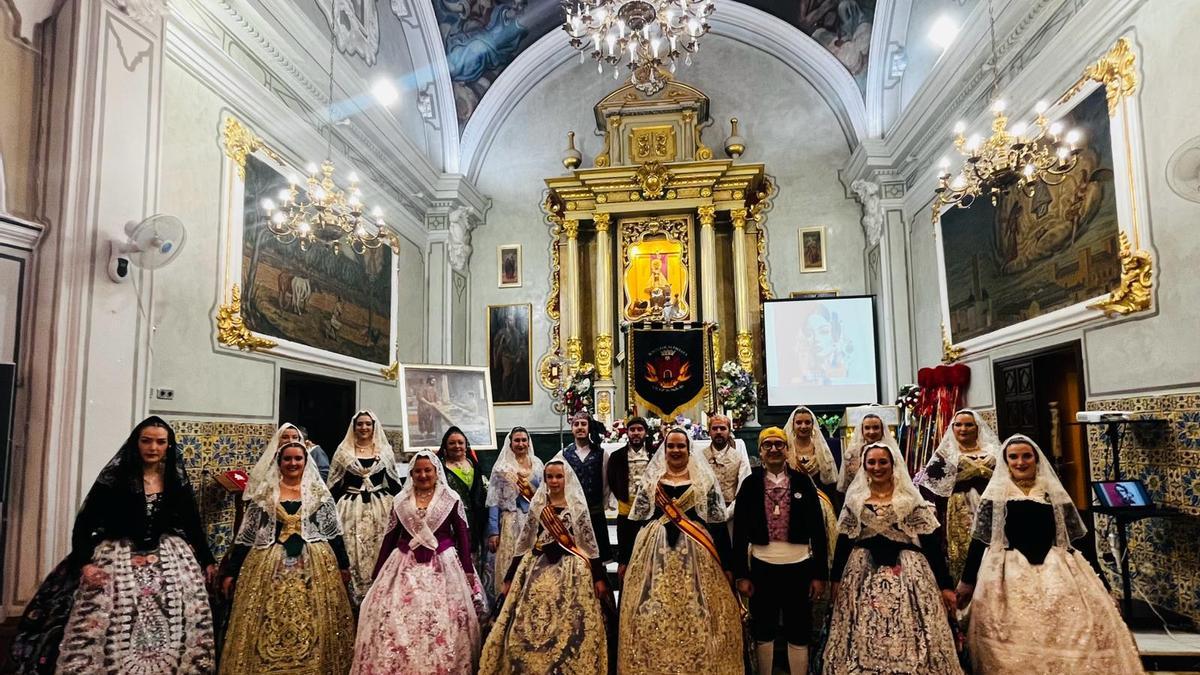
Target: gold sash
(676, 515)
(555, 527)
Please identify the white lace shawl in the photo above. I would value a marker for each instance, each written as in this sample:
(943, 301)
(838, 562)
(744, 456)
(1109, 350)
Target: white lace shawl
(502, 484)
(577, 510)
(710, 505)
(941, 472)
(914, 515)
(444, 500)
(826, 468)
(1000, 490)
(346, 461)
(318, 513)
(852, 454)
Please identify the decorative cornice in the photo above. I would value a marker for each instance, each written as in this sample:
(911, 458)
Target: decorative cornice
(1133, 293)
(19, 233)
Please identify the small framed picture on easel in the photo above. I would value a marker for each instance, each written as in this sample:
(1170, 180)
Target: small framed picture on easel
(812, 249)
(508, 260)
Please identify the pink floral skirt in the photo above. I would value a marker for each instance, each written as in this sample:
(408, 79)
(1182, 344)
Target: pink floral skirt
(418, 618)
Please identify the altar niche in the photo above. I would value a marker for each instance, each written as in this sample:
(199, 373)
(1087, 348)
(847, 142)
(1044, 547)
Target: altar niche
(657, 230)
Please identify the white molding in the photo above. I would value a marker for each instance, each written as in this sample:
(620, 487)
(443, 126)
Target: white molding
(733, 20)
(447, 113)
(19, 233)
(269, 117)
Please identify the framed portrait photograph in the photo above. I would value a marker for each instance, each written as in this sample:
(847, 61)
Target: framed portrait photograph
(812, 249)
(510, 347)
(436, 397)
(508, 262)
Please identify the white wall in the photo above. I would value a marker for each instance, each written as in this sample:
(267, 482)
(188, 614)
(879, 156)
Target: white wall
(211, 381)
(1156, 351)
(787, 125)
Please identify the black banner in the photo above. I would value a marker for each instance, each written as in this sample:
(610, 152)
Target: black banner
(667, 373)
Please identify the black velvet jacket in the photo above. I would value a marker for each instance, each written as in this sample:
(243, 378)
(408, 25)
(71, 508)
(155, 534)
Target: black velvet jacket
(806, 524)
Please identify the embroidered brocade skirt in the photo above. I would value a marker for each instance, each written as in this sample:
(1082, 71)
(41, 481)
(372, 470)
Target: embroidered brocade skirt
(678, 612)
(151, 616)
(418, 618)
(550, 623)
(364, 524)
(889, 621)
(960, 516)
(511, 524)
(1046, 619)
(290, 615)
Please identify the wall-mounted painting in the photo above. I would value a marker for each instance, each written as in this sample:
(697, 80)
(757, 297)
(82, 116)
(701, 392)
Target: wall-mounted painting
(436, 398)
(1030, 255)
(509, 349)
(1051, 257)
(339, 303)
(508, 262)
(334, 309)
(812, 249)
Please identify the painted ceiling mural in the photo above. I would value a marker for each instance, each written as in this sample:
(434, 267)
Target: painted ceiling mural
(481, 37)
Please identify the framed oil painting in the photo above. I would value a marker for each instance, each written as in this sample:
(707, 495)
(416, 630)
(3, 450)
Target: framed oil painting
(337, 309)
(508, 262)
(435, 398)
(656, 273)
(812, 249)
(1045, 260)
(510, 348)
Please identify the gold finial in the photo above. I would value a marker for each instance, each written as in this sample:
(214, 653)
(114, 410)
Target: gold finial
(572, 158)
(735, 145)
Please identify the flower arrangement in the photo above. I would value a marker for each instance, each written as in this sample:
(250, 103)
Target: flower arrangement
(578, 394)
(830, 423)
(737, 393)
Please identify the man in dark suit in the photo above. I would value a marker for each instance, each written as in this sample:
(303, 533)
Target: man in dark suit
(625, 468)
(778, 522)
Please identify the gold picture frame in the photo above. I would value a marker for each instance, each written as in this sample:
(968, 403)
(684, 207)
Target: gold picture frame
(811, 241)
(656, 254)
(508, 266)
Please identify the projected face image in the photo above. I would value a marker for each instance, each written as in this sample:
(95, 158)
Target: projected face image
(1120, 494)
(823, 347)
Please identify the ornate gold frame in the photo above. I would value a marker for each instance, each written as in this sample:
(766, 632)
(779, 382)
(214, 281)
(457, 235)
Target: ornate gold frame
(674, 227)
(1116, 70)
(238, 142)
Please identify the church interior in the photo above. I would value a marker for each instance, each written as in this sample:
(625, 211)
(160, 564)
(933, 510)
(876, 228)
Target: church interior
(479, 215)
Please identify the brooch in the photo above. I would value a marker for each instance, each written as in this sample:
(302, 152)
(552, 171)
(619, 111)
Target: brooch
(797, 495)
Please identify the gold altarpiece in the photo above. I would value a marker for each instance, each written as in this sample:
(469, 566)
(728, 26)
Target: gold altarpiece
(655, 228)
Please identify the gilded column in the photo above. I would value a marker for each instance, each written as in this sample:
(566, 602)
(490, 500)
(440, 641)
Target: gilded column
(605, 387)
(571, 289)
(708, 280)
(745, 341)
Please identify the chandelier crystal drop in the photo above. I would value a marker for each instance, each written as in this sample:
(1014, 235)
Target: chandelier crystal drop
(322, 212)
(1018, 159)
(646, 36)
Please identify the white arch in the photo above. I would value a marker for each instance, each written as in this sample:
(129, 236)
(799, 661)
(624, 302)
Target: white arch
(734, 20)
(447, 114)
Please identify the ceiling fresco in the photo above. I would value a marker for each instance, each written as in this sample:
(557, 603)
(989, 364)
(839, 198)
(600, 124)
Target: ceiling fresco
(482, 37)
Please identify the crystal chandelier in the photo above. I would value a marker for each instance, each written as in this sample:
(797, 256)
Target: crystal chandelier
(1018, 158)
(322, 212)
(647, 35)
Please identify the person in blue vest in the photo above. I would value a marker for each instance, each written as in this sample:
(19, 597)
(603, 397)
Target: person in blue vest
(587, 460)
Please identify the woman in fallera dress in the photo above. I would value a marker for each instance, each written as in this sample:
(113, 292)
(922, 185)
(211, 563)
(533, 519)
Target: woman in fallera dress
(956, 476)
(130, 597)
(291, 608)
(808, 453)
(516, 474)
(1036, 604)
(891, 588)
(552, 620)
(872, 429)
(362, 480)
(678, 611)
(422, 612)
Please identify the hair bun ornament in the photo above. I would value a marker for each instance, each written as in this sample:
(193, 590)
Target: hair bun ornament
(960, 375)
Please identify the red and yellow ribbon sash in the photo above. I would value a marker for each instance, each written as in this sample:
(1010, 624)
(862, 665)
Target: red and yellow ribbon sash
(525, 488)
(690, 528)
(559, 531)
